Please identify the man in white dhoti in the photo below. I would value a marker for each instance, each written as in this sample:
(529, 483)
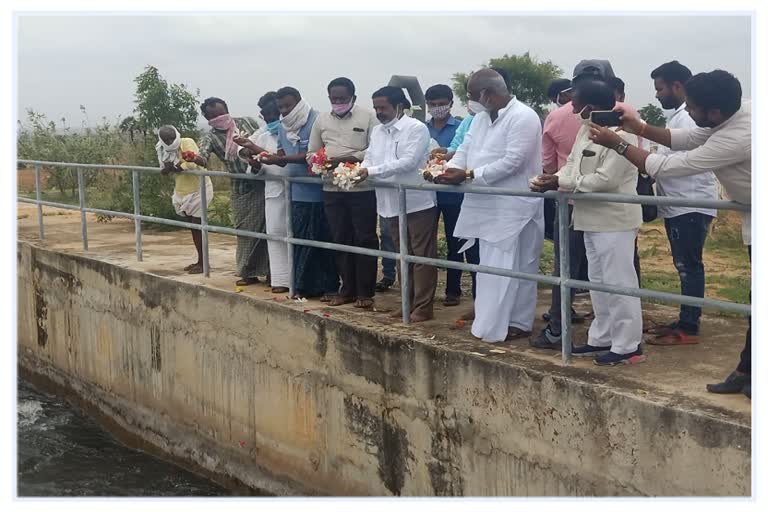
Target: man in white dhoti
(275, 205)
(501, 149)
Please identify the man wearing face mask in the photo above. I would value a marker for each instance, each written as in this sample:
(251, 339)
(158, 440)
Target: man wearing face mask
(399, 147)
(314, 270)
(275, 208)
(344, 133)
(502, 148)
(442, 128)
(720, 143)
(609, 232)
(247, 196)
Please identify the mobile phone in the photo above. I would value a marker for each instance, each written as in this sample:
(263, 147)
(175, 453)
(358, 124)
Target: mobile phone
(605, 117)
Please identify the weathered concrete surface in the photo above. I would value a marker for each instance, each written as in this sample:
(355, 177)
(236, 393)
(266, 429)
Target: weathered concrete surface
(346, 404)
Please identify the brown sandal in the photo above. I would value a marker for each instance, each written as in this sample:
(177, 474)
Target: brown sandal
(514, 333)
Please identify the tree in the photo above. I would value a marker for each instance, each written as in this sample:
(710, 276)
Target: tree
(42, 139)
(529, 78)
(159, 103)
(130, 125)
(653, 115)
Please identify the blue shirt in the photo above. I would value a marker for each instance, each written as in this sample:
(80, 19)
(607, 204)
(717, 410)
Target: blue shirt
(461, 131)
(444, 136)
(305, 192)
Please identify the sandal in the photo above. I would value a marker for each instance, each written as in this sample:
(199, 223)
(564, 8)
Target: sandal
(279, 289)
(338, 300)
(189, 267)
(364, 303)
(327, 298)
(247, 281)
(514, 333)
(195, 269)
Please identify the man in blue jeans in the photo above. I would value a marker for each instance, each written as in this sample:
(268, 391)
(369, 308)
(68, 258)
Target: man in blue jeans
(687, 228)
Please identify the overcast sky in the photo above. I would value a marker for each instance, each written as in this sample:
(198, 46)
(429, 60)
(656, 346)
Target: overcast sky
(72, 60)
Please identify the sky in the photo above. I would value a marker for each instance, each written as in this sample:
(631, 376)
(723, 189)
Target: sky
(70, 60)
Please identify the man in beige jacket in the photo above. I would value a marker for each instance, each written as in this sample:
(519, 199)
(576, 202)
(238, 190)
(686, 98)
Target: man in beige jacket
(609, 231)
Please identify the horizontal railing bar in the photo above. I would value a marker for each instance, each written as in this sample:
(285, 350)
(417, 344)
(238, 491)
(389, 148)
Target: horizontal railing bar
(643, 293)
(463, 188)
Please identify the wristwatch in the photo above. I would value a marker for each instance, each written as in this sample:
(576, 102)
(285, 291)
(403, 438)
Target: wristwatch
(469, 174)
(621, 147)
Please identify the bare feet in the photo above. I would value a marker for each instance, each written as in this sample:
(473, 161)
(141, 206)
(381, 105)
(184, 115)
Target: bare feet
(197, 268)
(364, 303)
(338, 300)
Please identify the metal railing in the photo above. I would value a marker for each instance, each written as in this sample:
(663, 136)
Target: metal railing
(564, 281)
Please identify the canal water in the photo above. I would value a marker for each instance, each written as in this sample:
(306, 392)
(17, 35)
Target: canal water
(63, 452)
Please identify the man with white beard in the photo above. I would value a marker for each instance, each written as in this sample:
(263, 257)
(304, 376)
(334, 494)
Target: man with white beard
(501, 149)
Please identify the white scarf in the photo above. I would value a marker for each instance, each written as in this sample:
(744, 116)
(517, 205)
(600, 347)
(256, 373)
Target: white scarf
(295, 120)
(168, 152)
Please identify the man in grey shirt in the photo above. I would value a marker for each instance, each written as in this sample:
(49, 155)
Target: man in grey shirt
(344, 133)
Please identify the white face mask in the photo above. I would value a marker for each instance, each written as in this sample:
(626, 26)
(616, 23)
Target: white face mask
(584, 122)
(476, 107)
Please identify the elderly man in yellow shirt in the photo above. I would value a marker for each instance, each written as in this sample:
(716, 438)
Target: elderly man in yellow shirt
(186, 194)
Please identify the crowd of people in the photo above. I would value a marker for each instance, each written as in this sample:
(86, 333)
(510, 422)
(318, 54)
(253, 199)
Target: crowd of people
(501, 143)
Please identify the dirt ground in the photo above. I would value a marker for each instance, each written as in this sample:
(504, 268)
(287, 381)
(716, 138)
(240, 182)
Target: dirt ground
(675, 375)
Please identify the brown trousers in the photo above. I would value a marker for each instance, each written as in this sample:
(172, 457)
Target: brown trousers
(422, 241)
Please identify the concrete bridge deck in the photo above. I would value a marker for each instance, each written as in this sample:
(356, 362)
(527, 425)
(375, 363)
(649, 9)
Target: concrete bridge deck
(672, 379)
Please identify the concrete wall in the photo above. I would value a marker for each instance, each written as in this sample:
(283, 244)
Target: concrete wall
(272, 396)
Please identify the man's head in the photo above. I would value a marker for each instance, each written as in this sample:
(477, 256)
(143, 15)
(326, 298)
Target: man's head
(592, 69)
(341, 93)
(389, 102)
(591, 95)
(439, 101)
(268, 106)
(505, 76)
(560, 91)
(669, 81)
(287, 99)
(213, 108)
(712, 98)
(487, 88)
(617, 84)
(167, 134)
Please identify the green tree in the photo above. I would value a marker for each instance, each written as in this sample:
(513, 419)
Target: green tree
(129, 125)
(529, 78)
(653, 115)
(159, 103)
(42, 139)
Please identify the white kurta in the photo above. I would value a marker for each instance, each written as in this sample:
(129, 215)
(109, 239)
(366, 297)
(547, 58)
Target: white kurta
(504, 153)
(275, 212)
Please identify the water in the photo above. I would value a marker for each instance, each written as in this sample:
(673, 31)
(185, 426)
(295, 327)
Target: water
(62, 452)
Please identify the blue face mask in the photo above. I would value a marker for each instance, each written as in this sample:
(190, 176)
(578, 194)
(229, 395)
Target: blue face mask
(272, 127)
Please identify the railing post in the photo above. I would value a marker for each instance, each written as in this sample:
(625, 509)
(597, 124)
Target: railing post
(81, 197)
(136, 213)
(204, 226)
(402, 224)
(565, 274)
(289, 233)
(38, 195)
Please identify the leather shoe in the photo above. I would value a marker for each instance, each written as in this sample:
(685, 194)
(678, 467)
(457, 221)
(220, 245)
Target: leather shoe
(734, 383)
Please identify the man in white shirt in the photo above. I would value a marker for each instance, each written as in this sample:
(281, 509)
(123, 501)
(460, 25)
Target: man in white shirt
(398, 148)
(720, 143)
(687, 227)
(275, 206)
(503, 149)
(610, 230)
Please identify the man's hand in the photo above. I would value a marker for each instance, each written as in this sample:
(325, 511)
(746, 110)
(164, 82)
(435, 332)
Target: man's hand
(449, 155)
(168, 168)
(603, 136)
(362, 175)
(199, 160)
(451, 177)
(272, 160)
(241, 141)
(545, 182)
(254, 162)
(630, 121)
